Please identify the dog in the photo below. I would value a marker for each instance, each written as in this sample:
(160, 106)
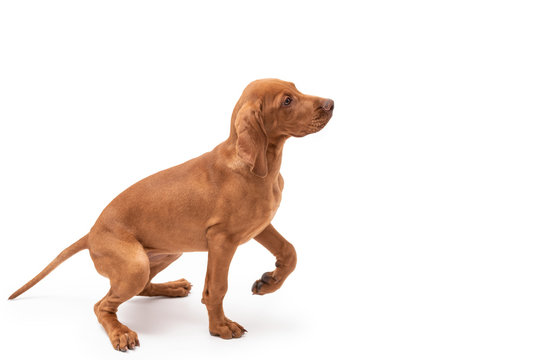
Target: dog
(212, 203)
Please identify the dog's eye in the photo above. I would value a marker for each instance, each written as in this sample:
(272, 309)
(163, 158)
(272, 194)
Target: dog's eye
(287, 101)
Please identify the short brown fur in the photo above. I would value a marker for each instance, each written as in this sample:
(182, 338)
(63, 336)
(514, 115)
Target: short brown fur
(212, 203)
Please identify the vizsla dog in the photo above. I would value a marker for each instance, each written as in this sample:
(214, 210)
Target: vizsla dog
(212, 203)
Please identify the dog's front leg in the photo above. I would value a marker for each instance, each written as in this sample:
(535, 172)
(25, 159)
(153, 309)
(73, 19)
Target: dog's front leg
(285, 264)
(220, 253)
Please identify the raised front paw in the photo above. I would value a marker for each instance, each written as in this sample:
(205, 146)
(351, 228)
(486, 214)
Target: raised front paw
(227, 329)
(266, 284)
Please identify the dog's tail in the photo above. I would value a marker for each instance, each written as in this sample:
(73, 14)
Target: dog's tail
(71, 250)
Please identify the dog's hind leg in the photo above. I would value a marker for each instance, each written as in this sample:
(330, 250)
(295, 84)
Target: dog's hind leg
(126, 264)
(178, 288)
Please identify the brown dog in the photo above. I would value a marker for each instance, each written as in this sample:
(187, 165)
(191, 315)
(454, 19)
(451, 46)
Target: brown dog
(213, 203)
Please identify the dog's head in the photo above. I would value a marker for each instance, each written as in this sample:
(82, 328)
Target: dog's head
(272, 109)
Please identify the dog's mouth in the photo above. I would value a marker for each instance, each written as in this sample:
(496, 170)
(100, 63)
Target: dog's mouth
(319, 121)
(317, 125)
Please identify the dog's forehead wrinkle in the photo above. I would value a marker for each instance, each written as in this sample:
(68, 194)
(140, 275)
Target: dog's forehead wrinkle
(270, 85)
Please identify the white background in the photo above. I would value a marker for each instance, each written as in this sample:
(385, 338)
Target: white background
(415, 212)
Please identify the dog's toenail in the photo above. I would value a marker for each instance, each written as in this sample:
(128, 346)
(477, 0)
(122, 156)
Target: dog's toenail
(267, 277)
(256, 286)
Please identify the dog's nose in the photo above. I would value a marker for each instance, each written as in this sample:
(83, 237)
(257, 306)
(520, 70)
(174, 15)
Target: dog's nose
(328, 105)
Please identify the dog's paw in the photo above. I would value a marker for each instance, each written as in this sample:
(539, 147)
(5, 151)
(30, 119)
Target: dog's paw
(123, 339)
(265, 285)
(227, 329)
(178, 288)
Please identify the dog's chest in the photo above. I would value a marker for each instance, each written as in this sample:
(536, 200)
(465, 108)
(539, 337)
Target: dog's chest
(270, 204)
(259, 211)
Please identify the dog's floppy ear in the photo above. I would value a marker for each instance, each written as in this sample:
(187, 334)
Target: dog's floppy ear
(252, 142)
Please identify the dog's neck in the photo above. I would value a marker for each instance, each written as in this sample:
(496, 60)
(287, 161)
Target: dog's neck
(274, 154)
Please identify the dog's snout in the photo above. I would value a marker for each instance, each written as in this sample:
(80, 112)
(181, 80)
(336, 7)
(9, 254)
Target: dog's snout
(328, 105)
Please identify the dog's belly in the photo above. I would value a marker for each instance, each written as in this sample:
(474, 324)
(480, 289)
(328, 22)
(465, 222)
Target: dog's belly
(175, 242)
(185, 230)
(188, 234)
